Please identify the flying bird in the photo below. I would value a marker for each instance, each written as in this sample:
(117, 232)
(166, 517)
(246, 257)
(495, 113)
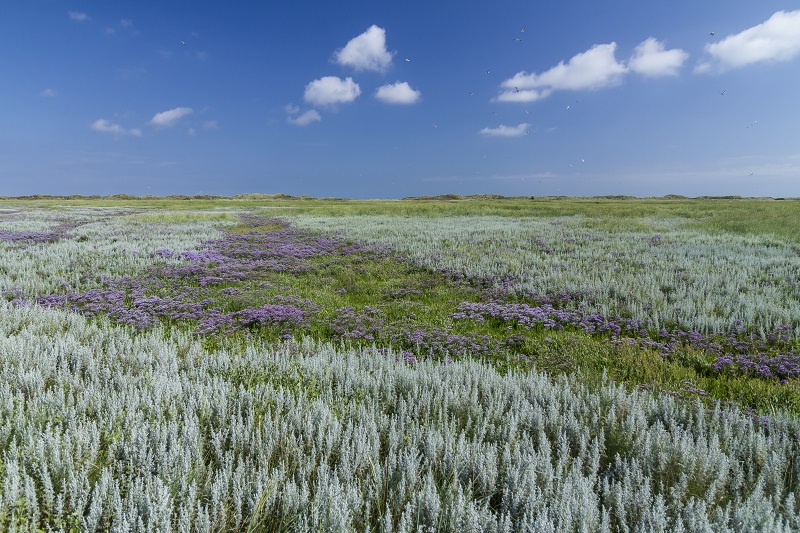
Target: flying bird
(516, 89)
(522, 29)
(711, 34)
(183, 43)
(722, 93)
(517, 40)
(487, 71)
(408, 60)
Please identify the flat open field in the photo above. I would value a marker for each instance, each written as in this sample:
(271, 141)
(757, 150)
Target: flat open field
(268, 363)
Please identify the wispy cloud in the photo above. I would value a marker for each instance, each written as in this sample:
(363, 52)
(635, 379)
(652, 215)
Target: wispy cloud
(366, 52)
(651, 59)
(331, 90)
(48, 93)
(106, 126)
(78, 16)
(305, 119)
(525, 95)
(776, 39)
(592, 69)
(169, 118)
(398, 93)
(506, 131)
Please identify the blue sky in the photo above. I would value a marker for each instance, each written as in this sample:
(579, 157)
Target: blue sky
(391, 99)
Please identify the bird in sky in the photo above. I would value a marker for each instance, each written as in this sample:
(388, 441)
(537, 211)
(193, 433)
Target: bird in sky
(517, 40)
(516, 89)
(722, 93)
(711, 34)
(522, 29)
(487, 71)
(408, 60)
(183, 43)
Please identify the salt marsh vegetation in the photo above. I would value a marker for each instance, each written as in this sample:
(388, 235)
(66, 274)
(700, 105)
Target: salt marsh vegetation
(218, 370)
(653, 268)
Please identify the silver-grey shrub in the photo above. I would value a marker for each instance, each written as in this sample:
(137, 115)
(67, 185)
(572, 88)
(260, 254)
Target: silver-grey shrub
(105, 429)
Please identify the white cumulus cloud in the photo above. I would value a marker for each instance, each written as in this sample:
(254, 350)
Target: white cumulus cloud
(106, 126)
(78, 16)
(776, 39)
(305, 119)
(524, 95)
(331, 90)
(651, 59)
(170, 117)
(592, 69)
(367, 51)
(506, 131)
(398, 93)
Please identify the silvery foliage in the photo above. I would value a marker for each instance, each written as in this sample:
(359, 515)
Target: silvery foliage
(102, 428)
(105, 242)
(665, 273)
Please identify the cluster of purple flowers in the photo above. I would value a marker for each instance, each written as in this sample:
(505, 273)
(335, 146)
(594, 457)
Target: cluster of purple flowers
(739, 351)
(370, 325)
(782, 366)
(15, 295)
(268, 315)
(548, 317)
(29, 237)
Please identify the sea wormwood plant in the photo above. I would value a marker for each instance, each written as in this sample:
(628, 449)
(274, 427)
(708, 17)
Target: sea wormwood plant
(106, 428)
